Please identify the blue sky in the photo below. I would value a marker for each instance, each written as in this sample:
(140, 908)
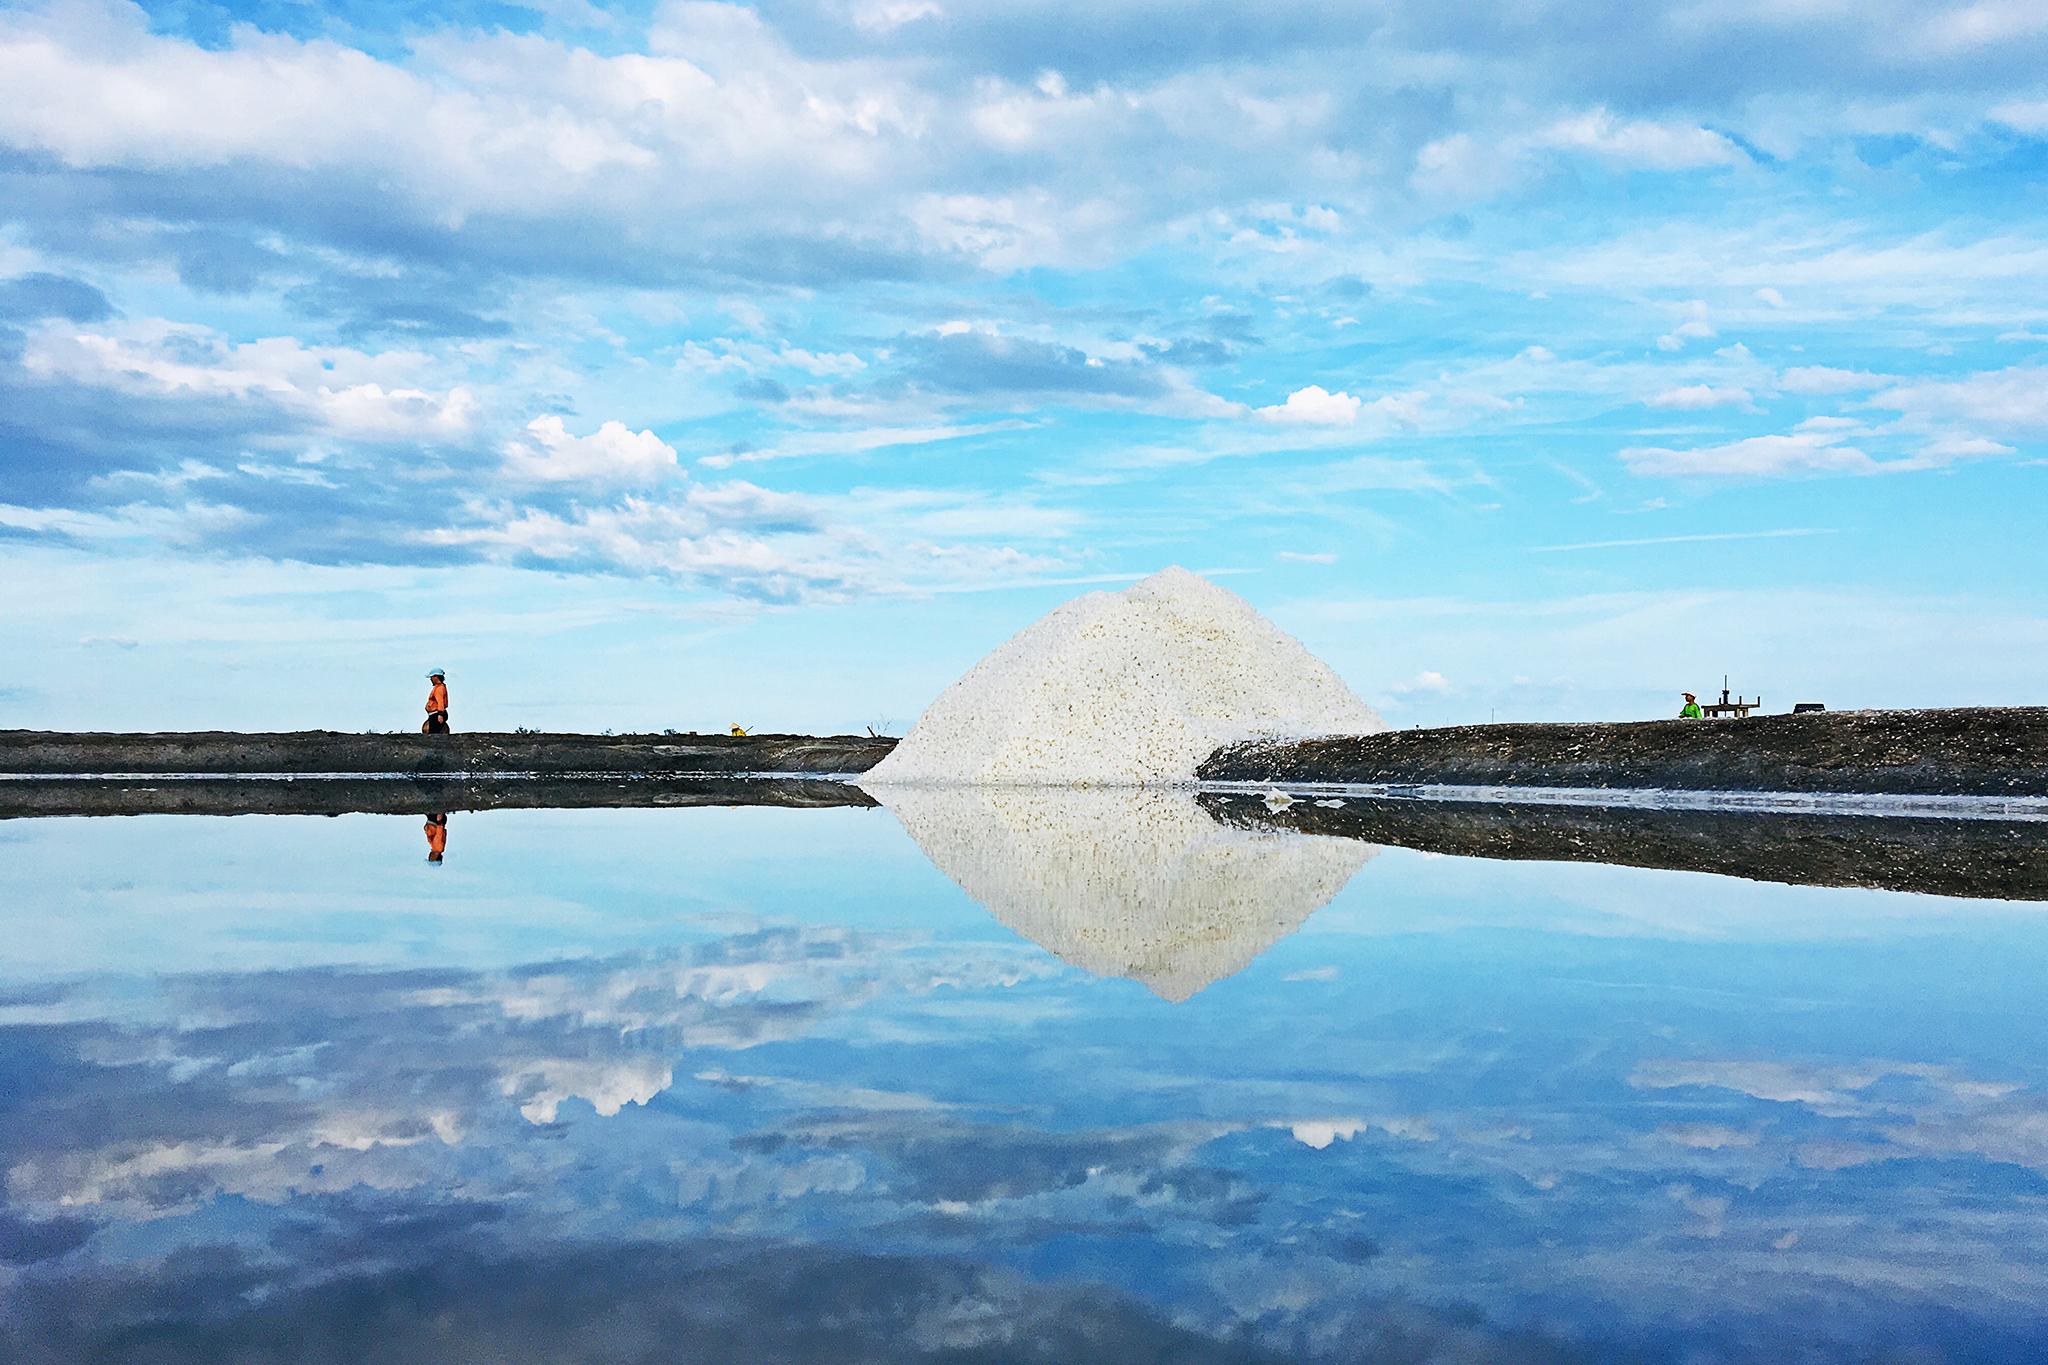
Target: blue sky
(676, 364)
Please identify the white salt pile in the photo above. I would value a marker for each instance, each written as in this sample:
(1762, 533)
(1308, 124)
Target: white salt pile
(1135, 883)
(1125, 689)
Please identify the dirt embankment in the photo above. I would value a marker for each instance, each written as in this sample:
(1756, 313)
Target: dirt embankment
(1974, 751)
(406, 795)
(1998, 859)
(327, 751)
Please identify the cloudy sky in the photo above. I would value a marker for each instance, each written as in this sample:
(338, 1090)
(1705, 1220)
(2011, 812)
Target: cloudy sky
(685, 363)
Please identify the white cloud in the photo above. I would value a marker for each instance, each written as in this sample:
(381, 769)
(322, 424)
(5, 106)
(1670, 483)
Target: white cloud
(886, 16)
(1980, 24)
(1826, 379)
(1045, 113)
(707, 533)
(1315, 406)
(751, 357)
(1462, 165)
(1695, 327)
(105, 93)
(349, 393)
(929, 512)
(1369, 473)
(1457, 166)
(1640, 142)
(614, 454)
(1694, 396)
(372, 412)
(1429, 681)
(2028, 116)
(2011, 401)
(855, 442)
(1799, 452)
(1029, 227)
(141, 522)
(1794, 532)
(1942, 449)
(475, 124)
(1305, 557)
(1770, 296)
(1858, 272)
(761, 544)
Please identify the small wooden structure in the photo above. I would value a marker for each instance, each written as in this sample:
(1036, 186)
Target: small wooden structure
(1718, 710)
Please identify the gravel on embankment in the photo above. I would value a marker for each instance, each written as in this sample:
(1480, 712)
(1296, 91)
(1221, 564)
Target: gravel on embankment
(1973, 751)
(223, 752)
(1956, 751)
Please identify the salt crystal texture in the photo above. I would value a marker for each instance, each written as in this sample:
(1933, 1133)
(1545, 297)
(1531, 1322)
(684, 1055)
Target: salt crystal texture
(1135, 883)
(1127, 688)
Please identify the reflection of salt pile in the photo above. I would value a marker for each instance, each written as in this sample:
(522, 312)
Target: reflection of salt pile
(1126, 883)
(1126, 688)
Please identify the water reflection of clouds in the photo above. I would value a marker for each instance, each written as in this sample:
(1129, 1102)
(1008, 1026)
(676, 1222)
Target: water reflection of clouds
(1888, 1111)
(275, 1084)
(808, 1119)
(575, 1103)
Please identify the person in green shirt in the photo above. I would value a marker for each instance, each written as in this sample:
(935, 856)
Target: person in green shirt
(1691, 709)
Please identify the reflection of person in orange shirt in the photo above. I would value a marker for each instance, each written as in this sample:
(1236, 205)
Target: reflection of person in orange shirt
(437, 705)
(437, 837)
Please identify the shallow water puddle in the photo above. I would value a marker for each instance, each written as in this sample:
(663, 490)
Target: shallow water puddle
(1102, 1073)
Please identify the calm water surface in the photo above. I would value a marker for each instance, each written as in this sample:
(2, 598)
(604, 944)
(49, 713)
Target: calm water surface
(1028, 1080)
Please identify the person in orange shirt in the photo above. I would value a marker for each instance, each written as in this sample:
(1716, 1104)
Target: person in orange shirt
(437, 705)
(437, 837)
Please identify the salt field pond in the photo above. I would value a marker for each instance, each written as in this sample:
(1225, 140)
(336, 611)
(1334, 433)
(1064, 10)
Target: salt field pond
(984, 1076)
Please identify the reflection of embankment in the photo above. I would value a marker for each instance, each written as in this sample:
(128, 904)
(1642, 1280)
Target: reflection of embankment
(1125, 882)
(402, 796)
(1981, 858)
